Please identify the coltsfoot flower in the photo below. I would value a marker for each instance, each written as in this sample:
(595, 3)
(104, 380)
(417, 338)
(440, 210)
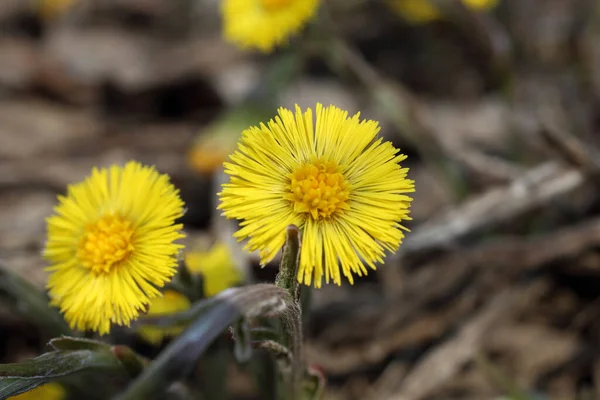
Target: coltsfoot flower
(330, 176)
(423, 11)
(216, 266)
(170, 303)
(265, 24)
(111, 245)
(49, 391)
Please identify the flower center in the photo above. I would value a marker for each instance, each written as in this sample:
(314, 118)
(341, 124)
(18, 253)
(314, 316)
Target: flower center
(319, 189)
(105, 243)
(273, 5)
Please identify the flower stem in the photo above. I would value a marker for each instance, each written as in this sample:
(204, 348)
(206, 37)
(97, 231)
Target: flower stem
(290, 338)
(290, 262)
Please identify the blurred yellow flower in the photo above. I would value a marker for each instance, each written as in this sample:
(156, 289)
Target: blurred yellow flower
(332, 177)
(206, 157)
(212, 148)
(111, 244)
(216, 266)
(264, 24)
(216, 141)
(171, 302)
(423, 11)
(49, 391)
(50, 9)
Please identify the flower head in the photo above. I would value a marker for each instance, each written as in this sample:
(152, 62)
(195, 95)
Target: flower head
(111, 244)
(49, 391)
(264, 24)
(423, 11)
(332, 177)
(171, 302)
(216, 266)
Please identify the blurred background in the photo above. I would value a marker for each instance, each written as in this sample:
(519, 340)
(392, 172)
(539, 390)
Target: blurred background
(495, 292)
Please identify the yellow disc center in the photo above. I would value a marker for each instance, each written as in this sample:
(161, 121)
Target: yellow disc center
(319, 189)
(105, 243)
(273, 5)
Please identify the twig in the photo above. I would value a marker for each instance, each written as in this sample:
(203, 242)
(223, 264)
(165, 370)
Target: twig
(534, 189)
(574, 151)
(387, 324)
(485, 166)
(444, 361)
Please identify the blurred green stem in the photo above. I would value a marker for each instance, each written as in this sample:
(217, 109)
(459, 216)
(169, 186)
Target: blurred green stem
(280, 72)
(484, 32)
(32, 302)
(214, 377)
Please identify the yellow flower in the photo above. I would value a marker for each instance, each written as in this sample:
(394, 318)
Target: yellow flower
(171, 302)
(423, 11)
(216, 266)
(111, 244)
(206, 157)
(49, 391)
(213, 146)
(216, 141)
(50, 9)
(480, 4)
(264, 24)
(331, 177)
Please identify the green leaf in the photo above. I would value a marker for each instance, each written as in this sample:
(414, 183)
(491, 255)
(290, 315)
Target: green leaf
(179, 357)
(32, 302)
(132, 362)
(71, 356)
(71, 343)
(22, 377)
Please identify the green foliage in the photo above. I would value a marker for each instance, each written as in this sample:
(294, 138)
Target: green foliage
(263, 316)
(178, 358)
(32, 303)
(21, 377)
